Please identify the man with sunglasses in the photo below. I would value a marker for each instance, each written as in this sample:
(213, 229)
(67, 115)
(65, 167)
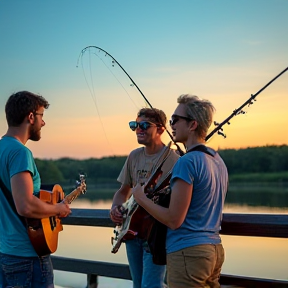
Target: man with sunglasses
(140, 164)
(198, 184)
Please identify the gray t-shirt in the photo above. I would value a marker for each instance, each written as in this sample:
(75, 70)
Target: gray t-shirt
(139, 166)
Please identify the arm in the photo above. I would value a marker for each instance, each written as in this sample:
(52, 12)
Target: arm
(173, 216)
(119, 198)
(30, 206)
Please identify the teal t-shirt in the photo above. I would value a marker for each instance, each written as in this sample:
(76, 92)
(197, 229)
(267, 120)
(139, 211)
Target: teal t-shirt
(15, 158)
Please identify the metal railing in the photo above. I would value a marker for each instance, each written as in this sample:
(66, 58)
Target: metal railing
(261, 225)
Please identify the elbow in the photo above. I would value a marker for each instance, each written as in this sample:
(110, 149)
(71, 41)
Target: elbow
(173, 225)
(24, 211)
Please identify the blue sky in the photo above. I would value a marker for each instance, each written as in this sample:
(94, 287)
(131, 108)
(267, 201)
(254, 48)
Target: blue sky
(220, 50)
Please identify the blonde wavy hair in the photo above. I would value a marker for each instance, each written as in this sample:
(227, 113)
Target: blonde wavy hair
(200, 110)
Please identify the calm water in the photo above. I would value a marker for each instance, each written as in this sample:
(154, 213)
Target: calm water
(251, 256)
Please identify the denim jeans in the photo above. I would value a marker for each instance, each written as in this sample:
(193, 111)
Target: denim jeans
(25, 272)
(144, 273)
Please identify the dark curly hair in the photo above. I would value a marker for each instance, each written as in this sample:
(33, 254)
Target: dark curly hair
(21, 104)
(154, 115)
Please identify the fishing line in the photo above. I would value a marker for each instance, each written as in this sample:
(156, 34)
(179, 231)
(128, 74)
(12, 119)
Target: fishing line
(93, 95)
(219, 126)
(131, 85)
(134, 84)
(110, 70)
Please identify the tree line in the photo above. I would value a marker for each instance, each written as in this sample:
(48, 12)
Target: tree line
(267, 160)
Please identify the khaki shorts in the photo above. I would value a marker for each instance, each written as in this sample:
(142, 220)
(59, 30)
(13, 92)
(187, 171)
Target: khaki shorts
(196, 266)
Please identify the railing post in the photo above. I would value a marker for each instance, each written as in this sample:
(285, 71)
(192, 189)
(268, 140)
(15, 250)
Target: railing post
(92, 281)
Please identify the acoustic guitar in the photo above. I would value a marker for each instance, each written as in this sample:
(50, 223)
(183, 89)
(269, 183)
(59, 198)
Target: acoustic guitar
(43, 233)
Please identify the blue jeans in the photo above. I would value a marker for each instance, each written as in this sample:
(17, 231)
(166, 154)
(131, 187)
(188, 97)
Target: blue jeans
(25, 272)
(144, 273)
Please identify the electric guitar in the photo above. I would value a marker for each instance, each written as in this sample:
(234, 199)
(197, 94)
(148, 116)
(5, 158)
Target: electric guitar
(136, 221)
(43, 233)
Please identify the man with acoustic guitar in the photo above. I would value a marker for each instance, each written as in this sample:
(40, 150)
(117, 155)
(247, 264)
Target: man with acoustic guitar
(20, 265)
(140, 164)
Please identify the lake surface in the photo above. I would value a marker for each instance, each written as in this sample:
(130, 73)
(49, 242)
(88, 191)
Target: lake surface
(251, 256)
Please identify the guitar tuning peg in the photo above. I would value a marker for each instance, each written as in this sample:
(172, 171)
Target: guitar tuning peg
(82, 176)
(216, 123)
(228, 123)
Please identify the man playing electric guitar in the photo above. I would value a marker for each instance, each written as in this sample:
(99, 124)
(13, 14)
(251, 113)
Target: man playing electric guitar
(133, 214)
(20, 266)
(140, 164)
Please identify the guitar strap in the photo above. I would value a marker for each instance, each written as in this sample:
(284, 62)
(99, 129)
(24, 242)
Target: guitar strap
(202, 148)
(10, 200)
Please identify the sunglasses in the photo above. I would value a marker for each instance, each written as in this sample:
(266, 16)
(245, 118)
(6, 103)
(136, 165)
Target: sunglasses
(175, 118)
(143, 125)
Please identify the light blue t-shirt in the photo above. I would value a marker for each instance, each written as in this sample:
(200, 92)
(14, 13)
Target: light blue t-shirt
(15, 158)
(209, 178)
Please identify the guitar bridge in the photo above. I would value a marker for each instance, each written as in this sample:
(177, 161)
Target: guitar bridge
(53, 223)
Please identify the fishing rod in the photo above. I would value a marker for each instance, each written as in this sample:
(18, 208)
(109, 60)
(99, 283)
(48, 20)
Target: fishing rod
(239, 110)
(219, 126)
(115, 61)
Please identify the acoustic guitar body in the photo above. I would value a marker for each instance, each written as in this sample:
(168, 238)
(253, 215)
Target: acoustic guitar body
(43, 233)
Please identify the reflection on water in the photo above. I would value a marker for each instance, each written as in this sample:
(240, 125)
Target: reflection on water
(266, 196)
(251, 256)
(251, 194)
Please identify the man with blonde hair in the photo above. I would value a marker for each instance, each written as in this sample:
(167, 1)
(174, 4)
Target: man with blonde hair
(199, 184)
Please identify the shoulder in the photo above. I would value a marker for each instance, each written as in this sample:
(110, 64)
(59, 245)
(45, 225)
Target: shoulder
(135, 155)
(201, 151)
(13, 148)
(136, 152)
(174, 156)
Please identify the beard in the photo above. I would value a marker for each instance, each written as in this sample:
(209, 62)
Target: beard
(35, 134)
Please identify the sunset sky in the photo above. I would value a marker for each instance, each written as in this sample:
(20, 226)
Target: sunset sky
(222, 50)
